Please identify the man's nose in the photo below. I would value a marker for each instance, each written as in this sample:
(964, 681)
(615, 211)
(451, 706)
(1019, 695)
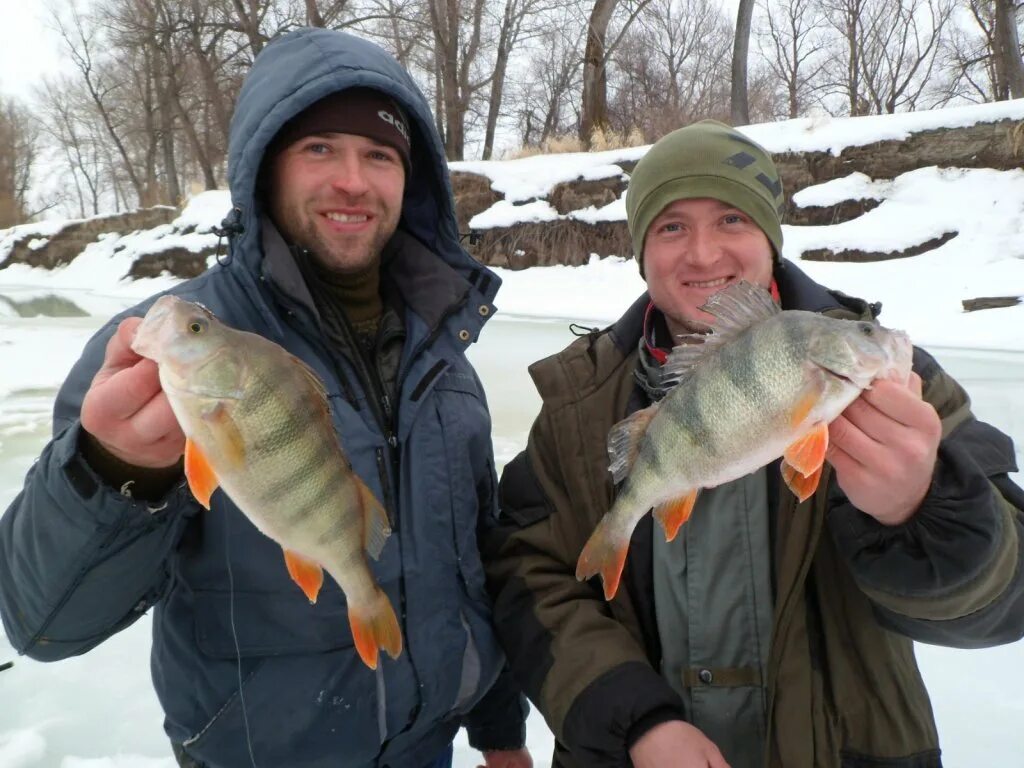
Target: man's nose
(348, 174)
(702, 248)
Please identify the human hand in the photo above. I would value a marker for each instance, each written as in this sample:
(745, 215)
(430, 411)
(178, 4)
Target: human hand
(676, 744)
(125, 408)
(883, 449)
(507, 758)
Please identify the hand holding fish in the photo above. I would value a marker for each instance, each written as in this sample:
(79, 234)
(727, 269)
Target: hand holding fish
(675, 745)
(883, 449)
(126, 409)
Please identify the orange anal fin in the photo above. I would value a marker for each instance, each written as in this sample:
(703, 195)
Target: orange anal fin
(674, 512)
(304, 572)
(602, 555)
(808, 453)
(802, 486)
(373, 627)
(202, 480)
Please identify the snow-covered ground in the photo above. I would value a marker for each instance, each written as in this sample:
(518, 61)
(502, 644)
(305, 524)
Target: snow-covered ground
(99, 711)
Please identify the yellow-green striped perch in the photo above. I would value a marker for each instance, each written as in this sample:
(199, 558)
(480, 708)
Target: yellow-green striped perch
(763, 383)
(257, 424)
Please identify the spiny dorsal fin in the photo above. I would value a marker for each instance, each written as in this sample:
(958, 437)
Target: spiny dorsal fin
(624, 442)
(735, 309)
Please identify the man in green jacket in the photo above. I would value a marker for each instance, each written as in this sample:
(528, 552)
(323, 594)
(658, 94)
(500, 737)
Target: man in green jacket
(769, 632)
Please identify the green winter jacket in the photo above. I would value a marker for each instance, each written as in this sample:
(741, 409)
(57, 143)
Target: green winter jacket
(844, 690)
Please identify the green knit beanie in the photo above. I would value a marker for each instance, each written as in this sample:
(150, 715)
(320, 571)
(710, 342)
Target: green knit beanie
(705, 159)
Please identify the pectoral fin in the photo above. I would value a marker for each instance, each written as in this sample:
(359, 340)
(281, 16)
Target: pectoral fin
(624, 442)
(674, 512)
(202, 480)
(304, 572)
(222, 429)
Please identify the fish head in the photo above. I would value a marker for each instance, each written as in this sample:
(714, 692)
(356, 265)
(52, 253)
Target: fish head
(861, 351)
(193, 349)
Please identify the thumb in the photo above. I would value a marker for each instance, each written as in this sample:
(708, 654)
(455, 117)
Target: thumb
(119, 353)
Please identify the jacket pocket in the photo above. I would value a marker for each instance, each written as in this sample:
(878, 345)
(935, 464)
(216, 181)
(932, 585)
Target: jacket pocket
(300, 677)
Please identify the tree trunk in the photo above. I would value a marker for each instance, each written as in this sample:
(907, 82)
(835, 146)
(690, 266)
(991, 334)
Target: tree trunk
(498, 83)
(1008, 47)
(740, 111)
(313, 17)
(594, 112)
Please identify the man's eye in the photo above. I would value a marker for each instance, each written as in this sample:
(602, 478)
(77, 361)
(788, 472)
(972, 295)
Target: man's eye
(669, 227)
(317, 148)
(733, 218)
(378, 154)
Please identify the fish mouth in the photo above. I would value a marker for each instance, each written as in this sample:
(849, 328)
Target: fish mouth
(144, 342)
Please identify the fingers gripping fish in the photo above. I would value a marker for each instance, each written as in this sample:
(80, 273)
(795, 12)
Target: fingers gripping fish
(763, 383)
(258, 426)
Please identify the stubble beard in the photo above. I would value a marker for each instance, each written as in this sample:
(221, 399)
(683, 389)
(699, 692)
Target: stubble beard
(342, 254)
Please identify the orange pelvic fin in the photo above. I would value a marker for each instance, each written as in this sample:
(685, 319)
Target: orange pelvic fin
(376, 526)
(802, 486)
(674, 512)
(603, 555)
(202, 480)
(304, 572)
(808, 453)
(375, 626)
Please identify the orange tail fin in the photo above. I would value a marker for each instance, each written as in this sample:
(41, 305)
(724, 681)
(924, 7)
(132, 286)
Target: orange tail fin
(202, 480)
(674, 512)
(375, 626)
(304, 572)
(602, 554)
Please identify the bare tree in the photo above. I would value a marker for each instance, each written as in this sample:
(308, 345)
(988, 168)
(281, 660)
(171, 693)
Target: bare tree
(594, 109)
(18, 155)
(64, 117)
(673, 67)
(740, 112)
(1007, 46)
(792, 46)
(899, 50)
(546, 96)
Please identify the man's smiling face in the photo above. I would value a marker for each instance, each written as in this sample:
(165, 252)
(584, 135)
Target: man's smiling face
(339, 196)
(696, 247)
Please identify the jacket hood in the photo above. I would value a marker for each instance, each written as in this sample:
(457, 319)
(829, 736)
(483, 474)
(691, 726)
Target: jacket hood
(298, 69)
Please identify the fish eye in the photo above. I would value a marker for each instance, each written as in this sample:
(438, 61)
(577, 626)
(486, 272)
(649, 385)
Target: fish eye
(197, 326)
(867, 329)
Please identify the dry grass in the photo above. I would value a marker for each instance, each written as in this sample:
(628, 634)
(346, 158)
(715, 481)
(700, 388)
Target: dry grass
(599, 142)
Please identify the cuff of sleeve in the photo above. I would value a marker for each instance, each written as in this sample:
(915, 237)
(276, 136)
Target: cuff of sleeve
(610, 712)
(137, 482)
(649, 721)
(506, 736)
(951, 557)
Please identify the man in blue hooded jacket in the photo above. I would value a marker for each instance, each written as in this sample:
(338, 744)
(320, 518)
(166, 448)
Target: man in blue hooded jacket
(343, 249)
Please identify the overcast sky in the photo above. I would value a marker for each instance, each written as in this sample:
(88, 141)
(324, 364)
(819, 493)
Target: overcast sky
(29, 49)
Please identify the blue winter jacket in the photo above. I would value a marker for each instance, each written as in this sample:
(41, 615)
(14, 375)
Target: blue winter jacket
(80, 561)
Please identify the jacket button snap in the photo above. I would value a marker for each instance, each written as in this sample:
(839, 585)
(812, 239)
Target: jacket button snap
(705, 676)
(484, 310)
(464, 334)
